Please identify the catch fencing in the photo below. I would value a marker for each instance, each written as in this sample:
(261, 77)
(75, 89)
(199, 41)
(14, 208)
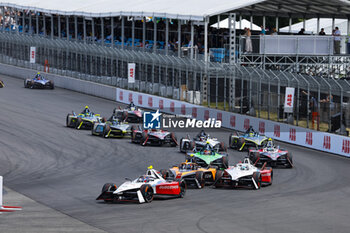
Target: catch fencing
(236, 88)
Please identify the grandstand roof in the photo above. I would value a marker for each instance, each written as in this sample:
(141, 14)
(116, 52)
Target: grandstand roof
(188, 10)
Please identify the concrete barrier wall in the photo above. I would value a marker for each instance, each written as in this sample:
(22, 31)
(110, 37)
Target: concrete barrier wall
(321, 141)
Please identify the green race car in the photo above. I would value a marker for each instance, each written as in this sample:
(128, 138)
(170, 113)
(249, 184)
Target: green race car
(208, 156)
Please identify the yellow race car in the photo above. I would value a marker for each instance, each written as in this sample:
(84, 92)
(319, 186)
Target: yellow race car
(191, 173)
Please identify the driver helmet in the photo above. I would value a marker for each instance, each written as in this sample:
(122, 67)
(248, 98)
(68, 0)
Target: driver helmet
(269, 143)
(37, 76)
(115, 119)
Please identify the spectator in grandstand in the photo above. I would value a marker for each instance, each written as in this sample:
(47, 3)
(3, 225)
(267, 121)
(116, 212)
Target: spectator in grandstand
(301, 32)
(322, 33)
(263, 31)
(313, 107)
(274, 32)
(147, 45)
(329, 100)
(172, 45)
(337, 40)
(248, 41)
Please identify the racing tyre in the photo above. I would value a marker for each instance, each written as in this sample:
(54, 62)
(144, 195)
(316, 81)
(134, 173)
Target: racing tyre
(26, 84)
(133, 133)
(257, 179)
(224, 162)
(183, 187)
(52, 85)
(218, 176)
(254, 157)
(92, 128)
(223, 147)
(181, 148)
(106, 130)
(147, 192)
(289, 160)
(143, 139)
(200, 179)
(230, 141)
(109, 187)
(270, 183)
(67, 120)
(174, 142)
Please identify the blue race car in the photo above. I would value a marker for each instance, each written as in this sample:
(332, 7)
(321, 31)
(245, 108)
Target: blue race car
(248, 140)
(39, 82)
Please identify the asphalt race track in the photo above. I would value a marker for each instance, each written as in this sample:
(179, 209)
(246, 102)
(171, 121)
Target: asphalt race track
(65, 169)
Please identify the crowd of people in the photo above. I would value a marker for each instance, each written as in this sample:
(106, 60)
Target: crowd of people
(264, 31)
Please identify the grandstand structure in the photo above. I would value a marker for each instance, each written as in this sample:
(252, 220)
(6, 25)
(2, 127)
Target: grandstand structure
(176, 51)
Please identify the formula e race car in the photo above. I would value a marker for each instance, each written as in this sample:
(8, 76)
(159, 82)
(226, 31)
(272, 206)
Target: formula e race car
(1, 84)
(84, 120)
(112, 128)
(130, 114)
(244, 175)
(39, 82)
(143, 189)
(197, 143)
(208, 156)
(191, 173)
(250, 139)
(152, 137)
(272, 155)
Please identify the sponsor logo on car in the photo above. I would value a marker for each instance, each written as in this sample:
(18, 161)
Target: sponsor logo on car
(168, 187)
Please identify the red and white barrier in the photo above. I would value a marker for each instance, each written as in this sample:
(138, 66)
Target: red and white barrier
(287, 133)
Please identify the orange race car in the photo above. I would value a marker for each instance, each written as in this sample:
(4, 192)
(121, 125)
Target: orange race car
(191, 173)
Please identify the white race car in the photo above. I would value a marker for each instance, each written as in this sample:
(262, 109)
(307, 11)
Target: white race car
(143, 189)
(244, 175)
